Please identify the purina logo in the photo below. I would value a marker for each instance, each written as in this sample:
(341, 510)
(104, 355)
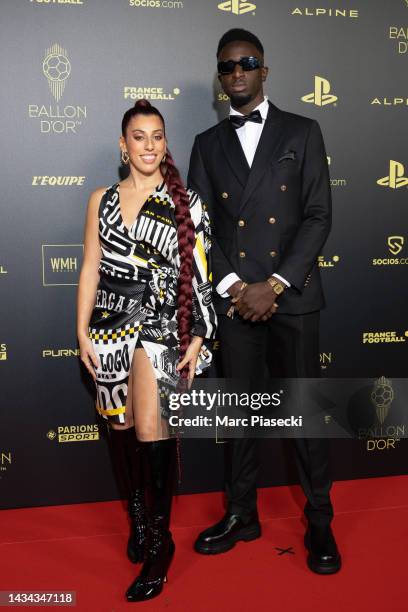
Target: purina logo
(321, 95)
(238, 7)
(396, 177)
(56, 68)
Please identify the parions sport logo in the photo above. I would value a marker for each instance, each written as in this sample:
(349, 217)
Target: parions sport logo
(159, 4)
(57, 118)
(74, 433)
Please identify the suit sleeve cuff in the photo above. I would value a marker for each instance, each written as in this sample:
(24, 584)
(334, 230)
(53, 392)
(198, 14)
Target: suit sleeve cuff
(278, 276)
(226, 283)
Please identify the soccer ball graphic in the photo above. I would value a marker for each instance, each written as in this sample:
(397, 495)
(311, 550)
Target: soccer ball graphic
(382, 395)
(56, 67)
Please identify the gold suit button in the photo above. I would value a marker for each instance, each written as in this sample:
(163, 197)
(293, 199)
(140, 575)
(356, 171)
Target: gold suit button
(241, 223)
(224, 195)
(273, 253)
(283, 187)
(242, 253)
(272, 220)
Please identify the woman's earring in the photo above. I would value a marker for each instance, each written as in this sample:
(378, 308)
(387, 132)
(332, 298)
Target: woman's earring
(164, 159)
(125, 157)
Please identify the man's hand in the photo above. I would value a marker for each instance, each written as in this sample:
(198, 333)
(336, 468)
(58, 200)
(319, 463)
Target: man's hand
(234, 290)
(256, 302)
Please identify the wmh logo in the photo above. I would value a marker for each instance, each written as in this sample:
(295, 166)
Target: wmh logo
(238, 7)
(64, 264)
(321, 94)
(61, 263)
(396, 177)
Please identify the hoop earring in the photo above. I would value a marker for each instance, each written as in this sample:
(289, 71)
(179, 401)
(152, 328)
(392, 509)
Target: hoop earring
(125, 157)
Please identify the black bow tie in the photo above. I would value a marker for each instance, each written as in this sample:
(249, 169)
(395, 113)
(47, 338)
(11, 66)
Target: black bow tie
(239, 120)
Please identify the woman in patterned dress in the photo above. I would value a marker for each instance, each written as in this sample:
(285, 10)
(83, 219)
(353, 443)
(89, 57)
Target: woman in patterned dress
(144, 307)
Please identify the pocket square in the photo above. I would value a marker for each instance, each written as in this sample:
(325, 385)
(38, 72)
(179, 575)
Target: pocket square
(288, 155)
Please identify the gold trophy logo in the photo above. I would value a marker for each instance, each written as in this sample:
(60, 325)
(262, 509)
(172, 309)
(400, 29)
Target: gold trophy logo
(56, 68)
(382, 396)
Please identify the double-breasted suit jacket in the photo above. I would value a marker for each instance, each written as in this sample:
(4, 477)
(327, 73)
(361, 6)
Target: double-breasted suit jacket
(272, 217)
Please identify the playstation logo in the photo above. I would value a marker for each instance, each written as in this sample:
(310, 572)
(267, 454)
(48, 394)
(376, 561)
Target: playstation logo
(238, 7)
(396, 177)
(321, 95)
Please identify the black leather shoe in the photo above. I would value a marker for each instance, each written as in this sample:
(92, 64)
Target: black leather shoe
(224, 535)
(324, 557)
(160, 458)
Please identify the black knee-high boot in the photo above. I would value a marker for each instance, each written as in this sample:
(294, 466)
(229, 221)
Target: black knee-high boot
(160, 461)
(127, 454)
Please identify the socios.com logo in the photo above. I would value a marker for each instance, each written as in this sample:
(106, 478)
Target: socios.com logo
(321, 94)
(56, 68)
(395, 244)
(396, 177)
(238, 7)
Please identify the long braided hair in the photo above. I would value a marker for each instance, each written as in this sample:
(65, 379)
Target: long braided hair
(185, 231)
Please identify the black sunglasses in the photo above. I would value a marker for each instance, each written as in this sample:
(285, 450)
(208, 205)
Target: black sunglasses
(246, 63)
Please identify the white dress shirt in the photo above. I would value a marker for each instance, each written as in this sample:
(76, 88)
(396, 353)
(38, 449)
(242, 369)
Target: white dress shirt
(249, 135)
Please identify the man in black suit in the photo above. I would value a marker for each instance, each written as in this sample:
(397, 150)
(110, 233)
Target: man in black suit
(263, 174)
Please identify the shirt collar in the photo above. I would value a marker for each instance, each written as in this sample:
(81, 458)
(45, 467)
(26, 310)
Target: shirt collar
(263, 108)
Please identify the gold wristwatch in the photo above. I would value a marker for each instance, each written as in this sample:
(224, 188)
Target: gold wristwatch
(276, 285)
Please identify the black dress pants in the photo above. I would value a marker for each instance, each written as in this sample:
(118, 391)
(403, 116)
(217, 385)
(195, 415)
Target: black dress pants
(287, 346)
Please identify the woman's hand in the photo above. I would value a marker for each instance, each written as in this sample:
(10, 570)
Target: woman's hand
(87, 354)
(191, 357)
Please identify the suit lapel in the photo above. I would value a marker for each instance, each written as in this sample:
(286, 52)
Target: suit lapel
(233, 151)
(271, 137)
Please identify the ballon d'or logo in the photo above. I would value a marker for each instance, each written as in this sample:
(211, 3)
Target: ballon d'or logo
(57, 68)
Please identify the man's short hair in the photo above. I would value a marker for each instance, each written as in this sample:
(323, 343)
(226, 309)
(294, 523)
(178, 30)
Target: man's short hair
(238, 34)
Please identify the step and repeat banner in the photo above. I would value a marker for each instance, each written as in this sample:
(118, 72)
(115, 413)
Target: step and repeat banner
(69, 70)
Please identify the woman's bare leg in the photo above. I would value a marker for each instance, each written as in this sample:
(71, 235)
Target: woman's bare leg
(147, 418)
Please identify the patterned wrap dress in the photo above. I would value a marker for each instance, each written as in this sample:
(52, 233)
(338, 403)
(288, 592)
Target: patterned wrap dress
(136, 298)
